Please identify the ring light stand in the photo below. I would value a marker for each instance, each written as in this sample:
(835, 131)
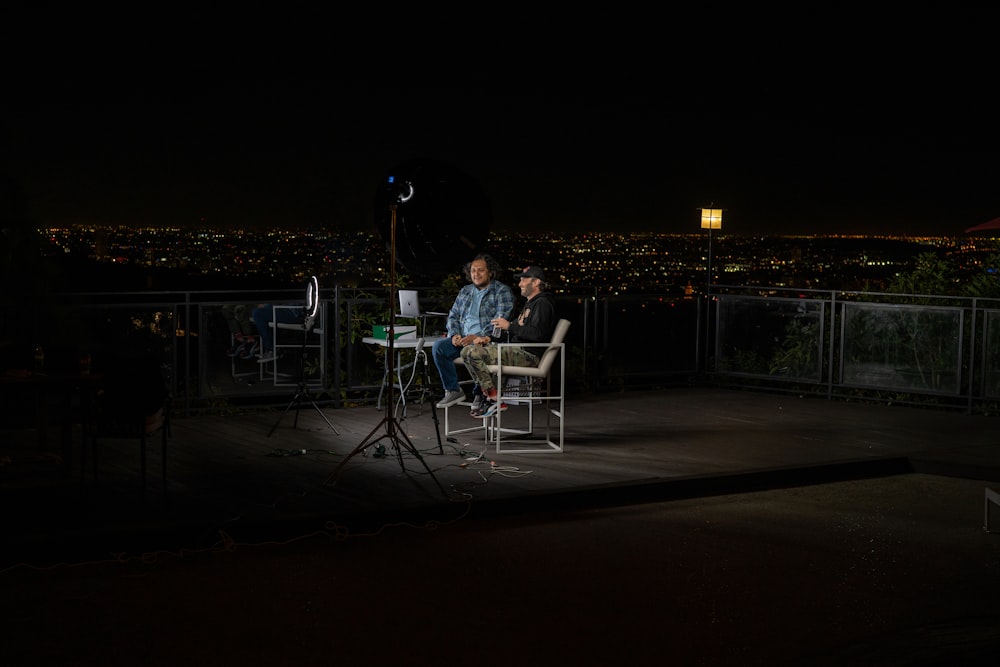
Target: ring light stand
(395, 434)
(311, 310)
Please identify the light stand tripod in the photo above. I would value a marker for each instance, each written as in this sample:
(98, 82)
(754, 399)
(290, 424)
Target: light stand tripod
(302, 392)
(425, 393)
(419, 361)
(397, 438)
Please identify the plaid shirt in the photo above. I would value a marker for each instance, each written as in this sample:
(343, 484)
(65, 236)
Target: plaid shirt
(498, 300)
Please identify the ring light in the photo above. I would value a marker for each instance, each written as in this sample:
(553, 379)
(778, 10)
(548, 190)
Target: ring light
(312, 297)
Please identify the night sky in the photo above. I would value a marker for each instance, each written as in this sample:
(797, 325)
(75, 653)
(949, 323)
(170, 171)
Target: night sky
(588, 158)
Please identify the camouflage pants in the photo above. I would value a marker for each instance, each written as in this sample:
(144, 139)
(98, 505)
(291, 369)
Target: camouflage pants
(478, 358)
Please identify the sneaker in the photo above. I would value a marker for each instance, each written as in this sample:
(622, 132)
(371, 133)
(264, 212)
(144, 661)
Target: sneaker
(249, 350)
(266, 358)
(478, 406)
(492, 407)
(451, 398)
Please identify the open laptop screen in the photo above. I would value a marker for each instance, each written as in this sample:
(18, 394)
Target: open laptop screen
(409, 303)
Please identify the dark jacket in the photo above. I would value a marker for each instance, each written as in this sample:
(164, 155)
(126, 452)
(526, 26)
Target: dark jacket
(534, 324)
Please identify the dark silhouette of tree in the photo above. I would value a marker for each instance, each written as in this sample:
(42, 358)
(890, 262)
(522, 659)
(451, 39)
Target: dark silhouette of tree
(23, 269)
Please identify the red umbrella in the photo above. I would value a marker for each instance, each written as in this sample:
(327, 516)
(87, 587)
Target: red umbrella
(986, 226)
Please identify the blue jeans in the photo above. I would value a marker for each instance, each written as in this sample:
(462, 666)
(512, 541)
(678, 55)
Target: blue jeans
(263, 314)
(445, 354)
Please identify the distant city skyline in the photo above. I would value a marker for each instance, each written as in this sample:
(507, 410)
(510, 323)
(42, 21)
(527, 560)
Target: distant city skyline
(272, 154)
(608, 262)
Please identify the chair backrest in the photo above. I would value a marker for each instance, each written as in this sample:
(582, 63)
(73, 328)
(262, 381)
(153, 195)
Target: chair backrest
(552, 351)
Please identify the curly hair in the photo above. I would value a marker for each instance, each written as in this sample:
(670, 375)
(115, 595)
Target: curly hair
(491, 265)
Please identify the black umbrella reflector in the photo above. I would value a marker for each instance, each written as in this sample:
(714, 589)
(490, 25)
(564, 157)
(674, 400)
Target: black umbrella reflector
(443, 217)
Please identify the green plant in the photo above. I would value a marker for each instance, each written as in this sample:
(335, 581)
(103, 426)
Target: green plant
(798, 355)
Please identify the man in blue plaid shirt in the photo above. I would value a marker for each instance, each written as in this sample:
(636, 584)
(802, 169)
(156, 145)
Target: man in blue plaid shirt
(482, 300)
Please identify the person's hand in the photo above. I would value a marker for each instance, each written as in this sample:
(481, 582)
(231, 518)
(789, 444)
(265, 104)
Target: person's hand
(468, 340)
(500, 323)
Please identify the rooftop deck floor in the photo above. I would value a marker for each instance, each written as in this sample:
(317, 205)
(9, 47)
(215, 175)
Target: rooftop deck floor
(692, 525)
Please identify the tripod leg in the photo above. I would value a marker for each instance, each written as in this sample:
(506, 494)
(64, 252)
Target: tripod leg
(332, 477)
(437, 428)
(295, 402)
(400, 438)
(434, 413)
(323, 415)
(303, 390)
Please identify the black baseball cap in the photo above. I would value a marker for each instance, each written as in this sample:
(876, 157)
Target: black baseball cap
(532, 272)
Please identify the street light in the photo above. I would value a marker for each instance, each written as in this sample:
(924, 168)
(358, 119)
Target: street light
(711, 218)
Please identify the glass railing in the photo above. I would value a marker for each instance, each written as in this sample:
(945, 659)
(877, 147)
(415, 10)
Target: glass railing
(942, 351)
(923, 349)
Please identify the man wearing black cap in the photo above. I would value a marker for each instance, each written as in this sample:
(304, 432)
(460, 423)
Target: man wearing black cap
(534, 324)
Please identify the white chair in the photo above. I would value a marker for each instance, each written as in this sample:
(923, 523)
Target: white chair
(529, 386)
(309, 340)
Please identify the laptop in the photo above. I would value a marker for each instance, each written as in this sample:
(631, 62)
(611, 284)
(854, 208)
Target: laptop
(409, 305)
